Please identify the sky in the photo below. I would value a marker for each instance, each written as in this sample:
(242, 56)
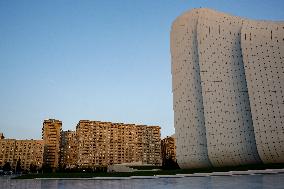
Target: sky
(98, 60)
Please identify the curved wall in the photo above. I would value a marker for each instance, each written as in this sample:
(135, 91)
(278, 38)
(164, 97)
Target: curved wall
(191, 149)
(228, 88)
(228, 122)
(263, 54)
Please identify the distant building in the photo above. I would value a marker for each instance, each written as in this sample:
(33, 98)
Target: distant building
(2, 136)
(106, 143)
(68, 149)
(168, 148)
(51, 136)
(93, 144)
(27, 151)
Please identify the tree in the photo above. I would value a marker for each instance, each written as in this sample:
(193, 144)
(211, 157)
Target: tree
(46, 168)
(7, 167)
(33, 168)
(169, 163)
(18, 166)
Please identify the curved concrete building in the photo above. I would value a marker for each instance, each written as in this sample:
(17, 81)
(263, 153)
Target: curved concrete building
(263, 54)
(190, 130)
(228, 122)
(214, 121)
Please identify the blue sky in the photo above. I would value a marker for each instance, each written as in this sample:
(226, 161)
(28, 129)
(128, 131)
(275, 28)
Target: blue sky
(97, 60)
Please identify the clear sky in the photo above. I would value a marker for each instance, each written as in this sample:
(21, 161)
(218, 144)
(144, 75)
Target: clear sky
(98, 60)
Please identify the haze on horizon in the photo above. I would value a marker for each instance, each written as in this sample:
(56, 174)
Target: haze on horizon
(96, 60)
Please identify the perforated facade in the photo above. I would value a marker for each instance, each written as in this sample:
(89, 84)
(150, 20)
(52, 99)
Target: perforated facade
(213, 90)
(263, 55)
(228, 122)
(187, 94)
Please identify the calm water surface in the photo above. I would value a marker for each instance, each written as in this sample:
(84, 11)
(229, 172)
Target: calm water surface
(231, 182)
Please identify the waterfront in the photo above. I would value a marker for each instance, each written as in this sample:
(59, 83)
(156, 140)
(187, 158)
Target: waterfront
(268, 181)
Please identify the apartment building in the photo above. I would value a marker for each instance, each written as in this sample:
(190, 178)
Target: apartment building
(68, 149)
(106, 143)
(28, 151)
(168, 148)
(51, 135)
(93, 144)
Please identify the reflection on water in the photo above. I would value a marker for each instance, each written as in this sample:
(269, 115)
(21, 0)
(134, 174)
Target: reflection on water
(232, 182)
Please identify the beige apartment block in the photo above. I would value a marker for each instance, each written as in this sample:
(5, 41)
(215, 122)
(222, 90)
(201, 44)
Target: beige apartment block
(168, 148)
(51, 136)
(228, 89)
(28, 151)
(7, 151)
(68, 151)
(106, 143)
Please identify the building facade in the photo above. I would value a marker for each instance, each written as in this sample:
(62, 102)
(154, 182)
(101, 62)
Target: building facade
(168, 148)
(219, 112)
(188, 106)
(263, 57)
(93, 144)
(106, 143)
(51, 135)
(29, 152)
(68, 149)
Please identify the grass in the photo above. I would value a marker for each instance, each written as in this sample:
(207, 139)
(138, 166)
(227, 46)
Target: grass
(151, 173)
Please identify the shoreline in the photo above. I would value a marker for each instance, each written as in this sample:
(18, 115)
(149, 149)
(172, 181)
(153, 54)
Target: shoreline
(229, 173)
(179, 173)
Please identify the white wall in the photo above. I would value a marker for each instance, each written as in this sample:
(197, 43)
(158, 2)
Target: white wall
(228, 79)
(228, 122)
(188, 102)
(263, 51)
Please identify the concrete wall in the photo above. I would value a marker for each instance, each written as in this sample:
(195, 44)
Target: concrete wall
(187, 94)
(228, 122)
(215, 110)
(263, 55)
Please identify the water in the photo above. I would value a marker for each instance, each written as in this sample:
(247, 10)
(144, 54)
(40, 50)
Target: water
(231, 182)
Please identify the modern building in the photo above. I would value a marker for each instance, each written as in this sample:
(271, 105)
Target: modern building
(29, 152)
(262, 46)
(106, 143)
(228, 89)
(168, 148)
(51, 135)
